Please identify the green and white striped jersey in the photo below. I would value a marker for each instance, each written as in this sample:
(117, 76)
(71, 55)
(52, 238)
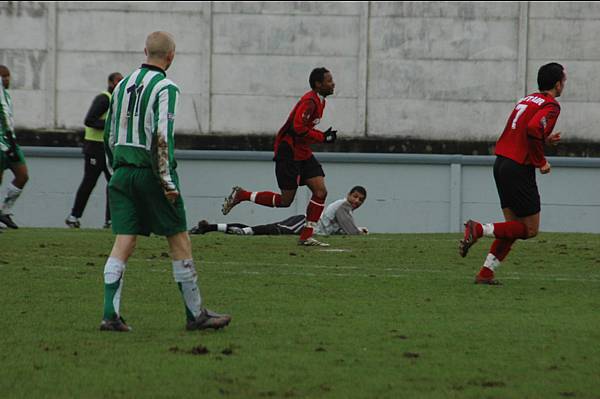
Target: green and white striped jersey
(7, 123)
(139, 125)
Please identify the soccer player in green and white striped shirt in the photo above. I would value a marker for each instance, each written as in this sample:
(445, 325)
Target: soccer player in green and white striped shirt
(144, 189)
(11, 156)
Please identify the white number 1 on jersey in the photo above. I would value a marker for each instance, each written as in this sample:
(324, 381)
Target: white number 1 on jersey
(520, 109)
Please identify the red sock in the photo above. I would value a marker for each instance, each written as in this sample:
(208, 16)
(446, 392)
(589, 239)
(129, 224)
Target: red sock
(243, 195)
(479, 230)
(266, 198)
(510, 230)
(501, 248)
(313, 214)
(486, 273)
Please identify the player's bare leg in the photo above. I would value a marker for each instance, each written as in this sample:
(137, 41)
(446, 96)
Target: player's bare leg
(532, 222)
(287, 197)
(21, 175)
(13, 191)
(123, 247)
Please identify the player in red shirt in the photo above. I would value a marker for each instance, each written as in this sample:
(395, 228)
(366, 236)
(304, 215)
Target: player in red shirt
(295, 164)
(519, 151)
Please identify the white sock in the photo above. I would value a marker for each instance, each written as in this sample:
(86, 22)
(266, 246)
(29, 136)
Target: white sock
(488, 229)
(12, 193)
(185, 276)
(222, 227)
(253, 197)
(114, 269)
(491, 262)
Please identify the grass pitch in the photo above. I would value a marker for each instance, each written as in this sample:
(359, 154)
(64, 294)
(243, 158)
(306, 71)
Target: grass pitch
(382, 316)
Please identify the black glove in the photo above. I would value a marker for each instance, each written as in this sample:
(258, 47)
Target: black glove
(12, 150)
(330, 136)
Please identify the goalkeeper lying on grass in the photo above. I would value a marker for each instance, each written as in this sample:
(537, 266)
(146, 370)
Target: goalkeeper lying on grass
(336, 219)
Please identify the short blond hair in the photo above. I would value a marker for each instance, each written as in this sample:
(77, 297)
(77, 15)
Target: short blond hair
(159, 44)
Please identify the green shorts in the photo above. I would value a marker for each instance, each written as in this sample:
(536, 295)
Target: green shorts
(138, 205)
(6, 162)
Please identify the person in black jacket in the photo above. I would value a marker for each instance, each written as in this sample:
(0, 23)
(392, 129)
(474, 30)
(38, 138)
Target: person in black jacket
(93, 149)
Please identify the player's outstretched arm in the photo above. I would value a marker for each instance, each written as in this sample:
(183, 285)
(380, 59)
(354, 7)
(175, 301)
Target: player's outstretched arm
(344, 218)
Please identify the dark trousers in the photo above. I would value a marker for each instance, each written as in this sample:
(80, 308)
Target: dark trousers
(291, 225)
(95, 164)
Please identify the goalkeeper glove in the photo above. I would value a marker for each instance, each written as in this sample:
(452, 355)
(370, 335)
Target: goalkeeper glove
(329, 136)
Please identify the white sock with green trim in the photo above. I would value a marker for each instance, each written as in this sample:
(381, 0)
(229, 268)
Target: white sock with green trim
(12, 193)
(185, 276)
(113, 285)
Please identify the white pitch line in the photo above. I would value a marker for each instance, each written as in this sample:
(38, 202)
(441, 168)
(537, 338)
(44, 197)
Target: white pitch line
(374, 275)
(234, 263)
(516, 275)
(398, 272)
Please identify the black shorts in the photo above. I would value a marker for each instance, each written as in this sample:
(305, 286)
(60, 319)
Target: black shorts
(291, 174)
(516, 186)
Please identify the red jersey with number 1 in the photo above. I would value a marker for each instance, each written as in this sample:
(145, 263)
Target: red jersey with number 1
(529, 124)
(298, 132)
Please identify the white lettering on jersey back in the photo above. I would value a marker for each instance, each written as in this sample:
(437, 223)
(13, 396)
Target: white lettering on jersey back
(316, 121)
(537, 100)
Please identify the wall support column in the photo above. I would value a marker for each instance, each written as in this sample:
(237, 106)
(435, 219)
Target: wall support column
(51, 73)
(455, 197)
(522, 49)
(363, 70)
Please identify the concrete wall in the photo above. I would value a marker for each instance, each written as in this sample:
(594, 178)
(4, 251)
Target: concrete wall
(430, 70)
(407, 193)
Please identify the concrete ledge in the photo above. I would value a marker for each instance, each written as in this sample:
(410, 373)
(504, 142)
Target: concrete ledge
(264, 142)
(333, 157)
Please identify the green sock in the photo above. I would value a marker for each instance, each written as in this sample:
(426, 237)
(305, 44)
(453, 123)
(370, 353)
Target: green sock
(113, 284)
(184, 273)
(188, 312)
(110, 291)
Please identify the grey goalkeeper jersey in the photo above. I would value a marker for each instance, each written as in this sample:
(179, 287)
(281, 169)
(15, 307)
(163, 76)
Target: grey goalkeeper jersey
(337, 219)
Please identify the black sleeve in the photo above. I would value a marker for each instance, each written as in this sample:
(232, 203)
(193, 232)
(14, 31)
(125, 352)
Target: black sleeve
(97, 109)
